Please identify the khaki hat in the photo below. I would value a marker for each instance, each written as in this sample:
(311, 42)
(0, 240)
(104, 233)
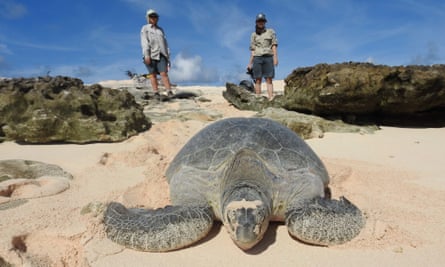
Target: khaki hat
(152, 13)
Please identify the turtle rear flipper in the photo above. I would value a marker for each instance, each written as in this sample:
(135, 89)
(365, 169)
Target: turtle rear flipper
(325, 222)
(169, 228)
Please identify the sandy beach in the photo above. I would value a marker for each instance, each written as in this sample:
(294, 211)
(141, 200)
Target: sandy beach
(396, 176)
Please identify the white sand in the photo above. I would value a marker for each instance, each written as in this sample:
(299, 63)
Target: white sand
(396, 176)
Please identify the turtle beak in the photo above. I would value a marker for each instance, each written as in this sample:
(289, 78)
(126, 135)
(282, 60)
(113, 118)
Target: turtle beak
(245, 246)
(247, 231)
(246, 237)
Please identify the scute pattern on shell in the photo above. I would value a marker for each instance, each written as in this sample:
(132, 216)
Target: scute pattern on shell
(280, 148)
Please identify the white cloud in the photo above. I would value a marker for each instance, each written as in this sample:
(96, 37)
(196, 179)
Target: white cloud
(228, 23)
(9, 9)
(105, 40)
(191, 69)
(235, 30)
(4, 49)
(39, 46)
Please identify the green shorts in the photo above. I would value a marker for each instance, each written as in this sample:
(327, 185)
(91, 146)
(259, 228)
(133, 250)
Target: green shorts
(262, 67)
(158, 66)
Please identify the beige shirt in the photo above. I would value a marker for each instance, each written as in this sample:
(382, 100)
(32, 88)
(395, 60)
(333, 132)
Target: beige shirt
(154, 42)
(261, 44)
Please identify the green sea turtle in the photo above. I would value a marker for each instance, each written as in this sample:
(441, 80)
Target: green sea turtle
(244, 172)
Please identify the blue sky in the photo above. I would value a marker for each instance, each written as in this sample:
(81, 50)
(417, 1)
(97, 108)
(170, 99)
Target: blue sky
(209, 40)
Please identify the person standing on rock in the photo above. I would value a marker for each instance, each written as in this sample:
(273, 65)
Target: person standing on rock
(263, 58)
(155, 51)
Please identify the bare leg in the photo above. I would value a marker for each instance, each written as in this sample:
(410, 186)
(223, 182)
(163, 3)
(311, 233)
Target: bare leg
(258, 86)
(166, 81)
(154, 82)
(269, 88)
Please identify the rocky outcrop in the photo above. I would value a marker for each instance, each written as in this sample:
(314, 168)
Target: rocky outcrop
(187, 105)
(63, 109)
(362, 89)
(310, 126)
(184, 111)
(305, 125)
(245, 99)
(358, 92)
(21, 180)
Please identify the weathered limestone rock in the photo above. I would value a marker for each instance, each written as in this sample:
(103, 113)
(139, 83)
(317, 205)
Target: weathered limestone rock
(28, 169)
(62, 109)
(358, 93)
(244, 99)
(306, 126)
(21, 180)
(365, 89)
(310, 126)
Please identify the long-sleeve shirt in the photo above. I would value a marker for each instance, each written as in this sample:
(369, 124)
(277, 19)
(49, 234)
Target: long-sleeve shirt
(261, 44)
(154, 42)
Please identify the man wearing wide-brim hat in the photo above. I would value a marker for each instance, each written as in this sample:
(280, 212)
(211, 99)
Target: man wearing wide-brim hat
(155, 52)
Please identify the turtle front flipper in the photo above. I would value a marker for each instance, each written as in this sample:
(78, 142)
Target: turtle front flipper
(169, 228)
(325, 222)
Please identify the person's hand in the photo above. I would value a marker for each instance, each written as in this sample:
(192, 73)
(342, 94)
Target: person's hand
(147, 60)
(249, 71)
(275, 60)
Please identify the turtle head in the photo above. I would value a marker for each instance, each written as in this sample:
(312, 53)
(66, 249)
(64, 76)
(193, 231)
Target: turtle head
(246, 200)
(246, 221)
